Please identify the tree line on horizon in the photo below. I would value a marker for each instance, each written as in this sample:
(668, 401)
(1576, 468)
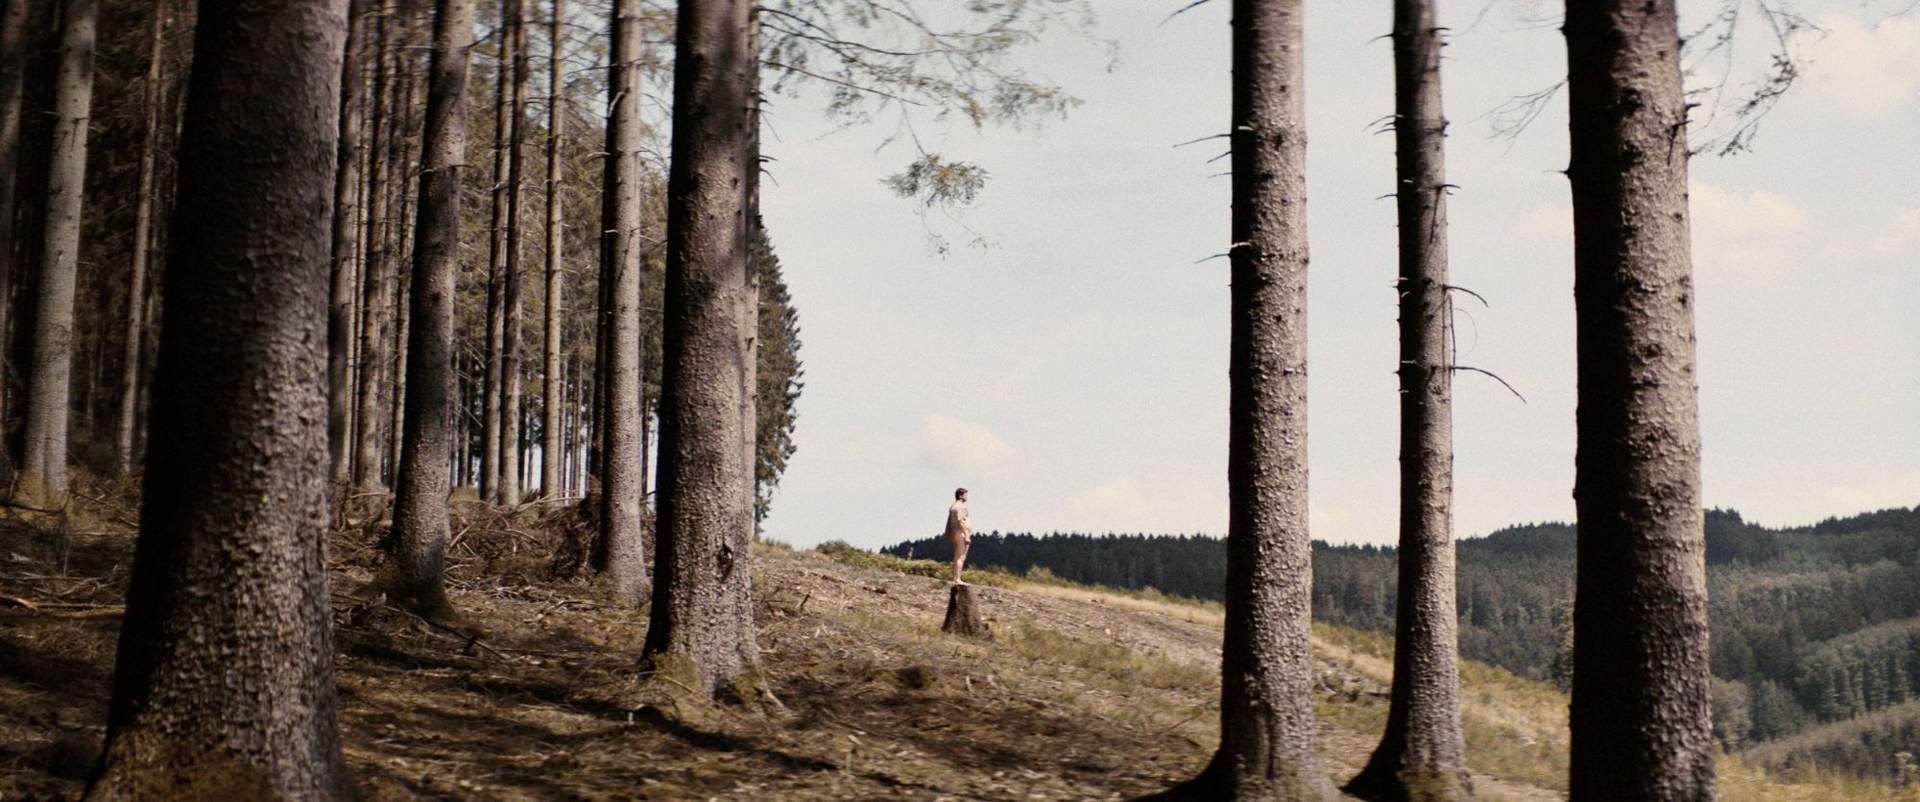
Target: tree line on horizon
(311, 257)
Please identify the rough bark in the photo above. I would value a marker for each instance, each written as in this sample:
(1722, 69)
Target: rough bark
(144, 203)
(702, 618)
(510, 275)
(415, 573)
(1422, 754)
(1640, 714)
(552, 449)
(224, 684)
(377, 290)
(963, 614)
(346, 235)
(42, 481)
(1267, 742)
(492, 410)
(14, 24)
(621, 546)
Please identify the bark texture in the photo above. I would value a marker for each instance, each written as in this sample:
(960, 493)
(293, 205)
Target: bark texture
(621, 547)
(376, 305)
(415, 576)
(553, 483)
(142, 239)
(702, 615)
(963, 614)
(1422, 755)
(14, 22)
(1267, 744)
(510, 303)
(224, 683)
(492, 410)
(346, 236)
(1640, 715)
(42, 481)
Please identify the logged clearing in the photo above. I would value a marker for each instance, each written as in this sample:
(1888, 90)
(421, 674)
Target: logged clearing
(1081, 694)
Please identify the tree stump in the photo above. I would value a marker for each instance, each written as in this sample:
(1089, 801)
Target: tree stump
(963, 615)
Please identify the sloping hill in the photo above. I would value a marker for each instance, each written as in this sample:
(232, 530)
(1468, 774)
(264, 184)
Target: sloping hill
(1082, 694)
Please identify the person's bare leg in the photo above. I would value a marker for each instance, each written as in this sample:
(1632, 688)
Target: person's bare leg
(959, 560)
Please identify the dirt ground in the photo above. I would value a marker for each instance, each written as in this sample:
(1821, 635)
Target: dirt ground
(1078, 696)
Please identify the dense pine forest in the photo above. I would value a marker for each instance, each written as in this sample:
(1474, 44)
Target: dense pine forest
(1813, 626)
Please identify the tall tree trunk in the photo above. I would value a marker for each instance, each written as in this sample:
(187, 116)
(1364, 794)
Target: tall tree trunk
(43, 476)
(552, 448)
(1422, 755)
(510, 303)
(1640, 714)
(142, 240)
(404, 199)
(415, 575)
(224, 685)
(346, 238)
(494, 412)
(622, 550)
(702, 616)
(1267, 742)
(377, 299)
(14, 24)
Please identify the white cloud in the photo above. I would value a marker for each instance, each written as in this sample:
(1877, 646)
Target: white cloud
(1750, 235)
(1868, 71)
(964, 446)
(1903, 235)
(1875, 494)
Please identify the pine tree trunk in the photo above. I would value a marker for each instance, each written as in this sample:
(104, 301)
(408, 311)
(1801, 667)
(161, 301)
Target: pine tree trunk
(1640, 714)
(552, 456)
(1422, 755)
(377, 298)
(494, 412)
(224, 684)
(702, 616)
(510, 303)
(403, 198)
(1267, 741)
(346, 234)
(622, 551)
(415, 575)
(142, 239)
(14, 23)
(42, 481)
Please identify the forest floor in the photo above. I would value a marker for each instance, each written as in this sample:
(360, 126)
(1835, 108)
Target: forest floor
(1081, 694)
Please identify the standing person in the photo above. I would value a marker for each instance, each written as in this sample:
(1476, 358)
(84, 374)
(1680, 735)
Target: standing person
(959, 532)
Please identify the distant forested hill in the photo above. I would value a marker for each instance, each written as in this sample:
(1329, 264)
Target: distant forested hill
(1811, 625)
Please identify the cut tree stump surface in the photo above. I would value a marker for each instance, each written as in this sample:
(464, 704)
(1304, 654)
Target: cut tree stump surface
(963, 614)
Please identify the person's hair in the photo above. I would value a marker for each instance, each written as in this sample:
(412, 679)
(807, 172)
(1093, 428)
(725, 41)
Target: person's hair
(960, 492)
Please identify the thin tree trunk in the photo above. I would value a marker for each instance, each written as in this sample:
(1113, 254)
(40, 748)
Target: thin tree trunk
(377, 300)
(142, 240)
(224, 684)
(552, 456)
(346, 237)
(43, 475)
(404, 239)
(415, 575)
(1640, 714)
(14, 23)
(1267, 741)
(1422, 754)
(510, 303)
(494, 411)
(702, 618)
(622, 551)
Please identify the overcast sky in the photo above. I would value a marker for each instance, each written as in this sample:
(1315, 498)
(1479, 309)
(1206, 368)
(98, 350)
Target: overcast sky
(1073, 374)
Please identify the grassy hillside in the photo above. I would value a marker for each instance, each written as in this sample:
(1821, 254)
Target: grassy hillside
(1083, 693)
(1811, 625)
